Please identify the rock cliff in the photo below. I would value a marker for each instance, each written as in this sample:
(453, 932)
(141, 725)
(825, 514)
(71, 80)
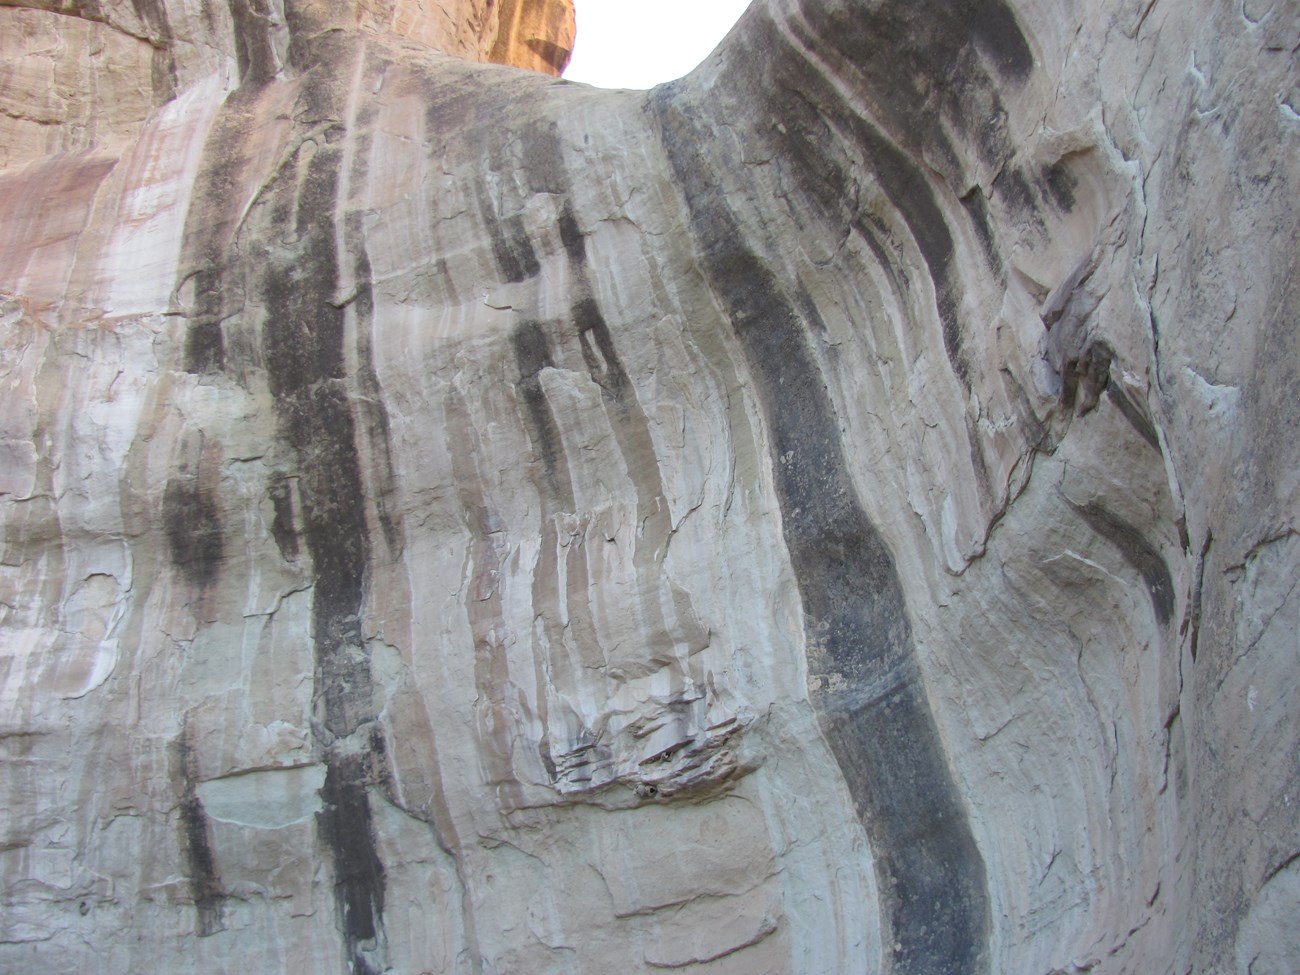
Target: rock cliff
(835, 513)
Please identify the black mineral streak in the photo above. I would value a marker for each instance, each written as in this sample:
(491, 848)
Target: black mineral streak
(533, 354)
(930, 873)
(543, 162)
(599, 355)
(1137, 552)
(192, 521)
(196, 844)
(282, 526)
(209, 230)
(977, 207)
(904, 181)
(254, 51)
(1014, 190)
(302, 348)
(1198, 597)
(575, 244)
(204, 342)
(544, 171)
(511, 246)
(347, 828)
(918, 64)
(153, 14)
(1061, 184)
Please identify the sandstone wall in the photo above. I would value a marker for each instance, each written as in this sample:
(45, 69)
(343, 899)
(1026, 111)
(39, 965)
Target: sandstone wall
(833, 513)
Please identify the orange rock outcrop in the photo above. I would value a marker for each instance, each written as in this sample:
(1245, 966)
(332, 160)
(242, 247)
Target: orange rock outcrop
(535, 34)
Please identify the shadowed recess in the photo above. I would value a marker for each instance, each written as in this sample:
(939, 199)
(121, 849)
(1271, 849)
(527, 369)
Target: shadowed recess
(1137, 552)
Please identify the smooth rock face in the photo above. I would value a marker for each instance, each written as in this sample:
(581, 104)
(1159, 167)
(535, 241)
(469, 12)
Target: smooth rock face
(835, 513)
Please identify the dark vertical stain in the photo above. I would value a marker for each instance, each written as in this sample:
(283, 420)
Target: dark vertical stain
(998, 34)
(919, 64)
(632, 432)
(282, 524)
(195, 538)
(533, 354)
(347, 828)
(153, 14)
(204, 342)
(1017, 193)
(513, 251)
(977, 208)
(599, 356)
(302, 349)
(545, 172)
(908, 189)
(930, 873)
(904, 181)
(1061, 184)
(983, 482)
(487, 551)
(532, 351)
(810, 313)
(543, 162)
(1137, 552)
(555, 494)
(210, 229)
(872, 232)
(319, 424)
(254, 51)
(196, 844)
(575, 244)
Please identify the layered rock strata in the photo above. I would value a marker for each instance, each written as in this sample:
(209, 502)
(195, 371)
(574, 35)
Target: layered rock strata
(832, 513)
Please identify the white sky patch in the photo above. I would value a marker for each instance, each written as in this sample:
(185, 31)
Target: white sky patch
(643, 43)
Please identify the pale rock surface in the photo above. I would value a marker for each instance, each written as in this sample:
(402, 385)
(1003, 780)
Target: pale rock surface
(832, 514)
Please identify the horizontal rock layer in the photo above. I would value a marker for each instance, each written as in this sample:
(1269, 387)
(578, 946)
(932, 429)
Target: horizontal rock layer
(832, 513)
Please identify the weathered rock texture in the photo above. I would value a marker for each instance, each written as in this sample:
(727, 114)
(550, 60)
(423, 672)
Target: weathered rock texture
(834, 513)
